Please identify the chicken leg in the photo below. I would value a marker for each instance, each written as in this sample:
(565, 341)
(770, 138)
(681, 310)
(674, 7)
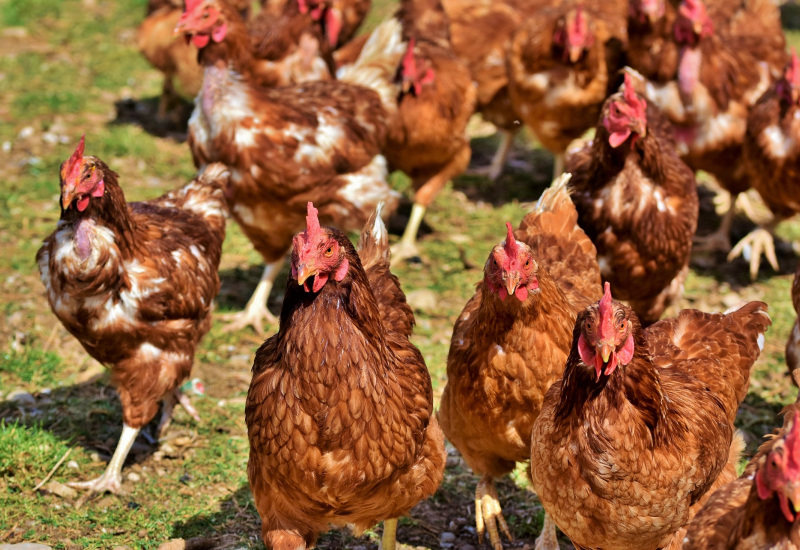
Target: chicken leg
(719, 240)
(255, 314)
(558, 165)
(754, 244)
(494, 169)
(176, 396)
(389, 538)
(111, 480)
(547, 538)
(489, 514)
(407, 247)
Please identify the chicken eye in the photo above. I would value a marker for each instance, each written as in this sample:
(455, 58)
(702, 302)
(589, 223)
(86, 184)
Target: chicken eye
(622, 325)
(527, 262)
(329, 252)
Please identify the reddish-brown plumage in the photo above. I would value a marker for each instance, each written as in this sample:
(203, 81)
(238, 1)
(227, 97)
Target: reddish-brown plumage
(638, 203)
(625, 461)
(705, 83)
(736, 517)
(286, 146)
(562, 64)
(135, 282)
(339, 411)
(508, 348)
(436, 88)
(793, 343)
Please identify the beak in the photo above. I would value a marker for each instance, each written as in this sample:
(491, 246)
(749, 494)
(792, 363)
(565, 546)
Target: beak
(640, 128)
(605, 351)
(698, 27)
(179, 27)
(792, 492)
(405, 86)
(575, 53)
(67, 196)
(304, 272)
(511, 280)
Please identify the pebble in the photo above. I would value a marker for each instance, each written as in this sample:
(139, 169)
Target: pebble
(422, 299)
(174, 544)
(21, 398)
(25, 546)
(94, 457)
(64, 491)
(72, 464)
(182, 441)
(122, 548)
(447, 538)
(467, 547)
(26, 132)
(133, 476)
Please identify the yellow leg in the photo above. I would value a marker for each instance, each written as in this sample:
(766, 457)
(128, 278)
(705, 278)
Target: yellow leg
(389, 538)
(488, 513)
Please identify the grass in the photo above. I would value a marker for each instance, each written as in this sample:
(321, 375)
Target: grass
(64, 65)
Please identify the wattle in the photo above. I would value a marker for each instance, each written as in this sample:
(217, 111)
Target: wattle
(82, 203)
(200, 40)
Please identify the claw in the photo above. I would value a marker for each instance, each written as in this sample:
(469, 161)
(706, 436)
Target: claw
(488, 513)
(255, 316)
(752, 246)
(111, 480)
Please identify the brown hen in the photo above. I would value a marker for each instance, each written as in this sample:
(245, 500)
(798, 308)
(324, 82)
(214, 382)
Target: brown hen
(639, 431)
(753, 512)
(510, 344)
(285, 146)
(135, 284)
(637, 201)
(339, 411)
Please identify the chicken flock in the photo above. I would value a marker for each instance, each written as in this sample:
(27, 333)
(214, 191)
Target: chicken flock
(561, 360)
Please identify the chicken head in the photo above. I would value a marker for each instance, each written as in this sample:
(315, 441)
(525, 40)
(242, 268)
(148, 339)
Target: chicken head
(413, 75)
(647, 10)
(625, 115)
(329, 13)
(80, 180)
(316, 253)
(202, 22)
(789, 86)
(606, 338)
(780, 474)
(511, 269)
(693, 23)
(573, 35)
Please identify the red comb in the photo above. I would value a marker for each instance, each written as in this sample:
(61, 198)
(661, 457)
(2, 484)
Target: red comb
(605, 306)
(630, 93)
(312, 222)
(73, 164)
(511, 246)
(792, 74)
(192, 5)
(408, 58)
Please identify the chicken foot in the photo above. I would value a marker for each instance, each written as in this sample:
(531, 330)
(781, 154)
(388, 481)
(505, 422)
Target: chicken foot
(547, 538)
(755, 244)
(495, 168)
(488, 513)
(719, 240)
(255, 313)
(389, 538)
(111, 480)
(176, 396)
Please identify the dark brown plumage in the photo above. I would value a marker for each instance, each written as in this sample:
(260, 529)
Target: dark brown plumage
(135, 284)
(638, 203)
(640, 429)
(505, 352)
(339, 411)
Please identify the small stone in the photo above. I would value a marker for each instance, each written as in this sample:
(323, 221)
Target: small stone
(21, 398)
(182, 441)
(447, 537)
(64, 491)
(25, 546)
(467, 547)
(161, 472)
(158, 456)
(133, 476)
(106, 502)
(122, 548)
(26, 132)
(6, 146)
(94, 456)
(174, 544)
(142, 533)
(422, 299)
(73, 465)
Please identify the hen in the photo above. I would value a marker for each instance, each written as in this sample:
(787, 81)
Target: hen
(772, 160)
(639, 431)
(339, 411)
(481, 32)
(753, 512)
(510, 344)
(637, 201)
(427, 138)
(176, 59)
(336, 20)
(284, 146)
(561, 68)
(727, 57)
(135, 284)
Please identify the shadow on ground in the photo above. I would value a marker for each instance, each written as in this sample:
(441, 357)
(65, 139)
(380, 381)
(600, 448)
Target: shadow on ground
(142, 113)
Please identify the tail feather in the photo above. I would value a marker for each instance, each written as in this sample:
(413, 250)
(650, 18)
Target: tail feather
(376, 66)
(373, 243)
(203, 195)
